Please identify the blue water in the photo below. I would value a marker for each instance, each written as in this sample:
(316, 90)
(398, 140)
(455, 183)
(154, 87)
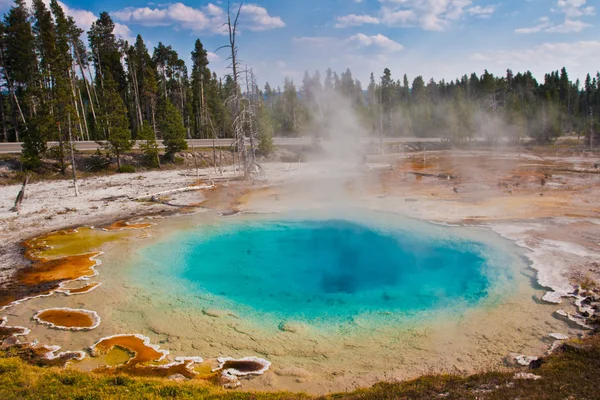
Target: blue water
(319, 269)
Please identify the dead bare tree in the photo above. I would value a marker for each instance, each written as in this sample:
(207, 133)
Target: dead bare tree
(20, 196)
(215, 137)
(234, 100)
(73, 158)
(193, 152)
(243, 114)
(87, 85)
(75, 103)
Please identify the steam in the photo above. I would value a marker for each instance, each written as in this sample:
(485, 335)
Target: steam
(338, 129)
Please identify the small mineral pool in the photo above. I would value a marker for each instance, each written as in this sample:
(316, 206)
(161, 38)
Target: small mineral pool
(324, 270)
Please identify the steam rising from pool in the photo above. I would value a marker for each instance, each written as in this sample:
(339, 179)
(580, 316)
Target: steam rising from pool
(319, 270)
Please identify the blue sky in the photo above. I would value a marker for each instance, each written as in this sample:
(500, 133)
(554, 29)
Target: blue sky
(433, 38)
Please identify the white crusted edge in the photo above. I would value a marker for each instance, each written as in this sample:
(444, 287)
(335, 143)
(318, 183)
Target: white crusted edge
(127, 227)
(69, 292)
(187, 361)
(573, 318)
(93, 314)
(81, 278)
(52, 354)
(146, 340)
(4, 321)
(195, 360)
(231, 372)
(558, 336)
(547, 276)
(525, 360)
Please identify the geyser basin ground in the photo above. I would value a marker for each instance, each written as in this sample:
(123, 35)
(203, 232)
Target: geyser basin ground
(329, 271)
(333, 301)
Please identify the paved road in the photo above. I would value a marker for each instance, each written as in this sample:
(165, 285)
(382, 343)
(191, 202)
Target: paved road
(6, 148)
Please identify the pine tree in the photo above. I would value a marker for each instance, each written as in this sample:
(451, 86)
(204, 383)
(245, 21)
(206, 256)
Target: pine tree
(290, 120)
(106, 53)
(45, 40)
(265, 130)
(20, 63)
(172, 129)
(35, 138)
(113, 115)
(201, 77)
(149, 145)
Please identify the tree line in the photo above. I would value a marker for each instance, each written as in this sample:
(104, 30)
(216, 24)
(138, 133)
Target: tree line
(62, 84)
(56, 87)
(511, 107)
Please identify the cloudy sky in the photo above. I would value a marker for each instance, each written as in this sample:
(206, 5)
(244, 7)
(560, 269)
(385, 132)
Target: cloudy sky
(433, 38)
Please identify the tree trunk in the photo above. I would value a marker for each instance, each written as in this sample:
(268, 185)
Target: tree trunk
(136, 96)
(61, 147)
(20, 113)
(74, 98)
(73, 159)
(4, 131)
(20, 196)
(87, 86)
(87, 132)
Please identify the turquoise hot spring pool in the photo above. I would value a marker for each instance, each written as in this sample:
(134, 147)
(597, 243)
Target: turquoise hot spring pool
(330, 270)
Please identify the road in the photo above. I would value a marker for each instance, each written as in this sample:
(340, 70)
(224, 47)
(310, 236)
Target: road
(7, 148)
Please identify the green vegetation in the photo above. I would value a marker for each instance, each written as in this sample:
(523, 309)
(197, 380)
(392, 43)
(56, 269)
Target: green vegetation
(126, 169)
(570, 373)
(149, 146)
(172, 129)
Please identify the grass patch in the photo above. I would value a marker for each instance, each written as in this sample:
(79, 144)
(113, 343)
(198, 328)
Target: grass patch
(126, 169)
(571, 373)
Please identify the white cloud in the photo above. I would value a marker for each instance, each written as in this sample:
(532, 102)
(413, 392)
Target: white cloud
(482, 12)
(379, 41)
(572, 9)
(398, 17)
(212, 57)
(175, 13)
(434, 15)
(213, 10)
(355, 20)
(259, 18)
(209, 18)
(533, 29)
(569, 26)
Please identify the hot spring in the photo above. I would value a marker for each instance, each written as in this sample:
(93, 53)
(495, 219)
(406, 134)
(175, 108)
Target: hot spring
(324, 271)
(333, 300)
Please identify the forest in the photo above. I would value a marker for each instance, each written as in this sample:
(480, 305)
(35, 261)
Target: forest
(62, 84)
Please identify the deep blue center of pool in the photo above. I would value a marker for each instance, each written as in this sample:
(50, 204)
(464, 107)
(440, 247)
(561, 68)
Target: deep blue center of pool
(312, 269)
